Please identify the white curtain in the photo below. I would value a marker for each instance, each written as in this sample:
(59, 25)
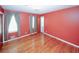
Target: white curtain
(13, 25)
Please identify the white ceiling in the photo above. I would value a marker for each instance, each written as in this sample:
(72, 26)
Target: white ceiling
(39, 2)
(36, 9)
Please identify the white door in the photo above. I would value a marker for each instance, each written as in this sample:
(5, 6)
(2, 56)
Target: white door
(42, 24)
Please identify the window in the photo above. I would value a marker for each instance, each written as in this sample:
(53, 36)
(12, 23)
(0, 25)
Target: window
(42, 24)
(33, 22)
(12, 25)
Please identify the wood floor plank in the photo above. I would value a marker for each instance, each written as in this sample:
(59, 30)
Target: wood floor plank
(38, 43)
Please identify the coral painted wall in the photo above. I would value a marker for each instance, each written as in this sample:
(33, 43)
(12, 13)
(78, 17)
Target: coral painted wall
(63, 24)
(1, 10)
(38, 23)
(24, 23)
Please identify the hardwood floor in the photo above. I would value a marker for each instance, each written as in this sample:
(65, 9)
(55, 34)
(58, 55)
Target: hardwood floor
(38, 43)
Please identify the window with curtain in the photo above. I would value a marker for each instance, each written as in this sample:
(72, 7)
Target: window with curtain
(12, 25)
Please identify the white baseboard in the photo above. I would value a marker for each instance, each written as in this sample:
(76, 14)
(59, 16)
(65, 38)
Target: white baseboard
(72, 44)
(20, 37)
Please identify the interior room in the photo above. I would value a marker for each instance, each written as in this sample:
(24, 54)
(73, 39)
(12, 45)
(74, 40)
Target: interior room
(39, 28)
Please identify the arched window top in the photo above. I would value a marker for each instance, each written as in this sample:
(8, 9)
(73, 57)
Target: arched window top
(12, 25)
